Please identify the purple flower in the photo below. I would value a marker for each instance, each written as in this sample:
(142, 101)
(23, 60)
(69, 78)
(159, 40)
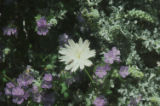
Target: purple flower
(8, 89)
(102, 71)
(25, 79)
(124, 71)
(42, 26)
(37, 97)
(46, 84)
(17, 91)
(47, 81)
(63, 38)
(100, 101)
(26, 94)
(18, 100)
(34, 89)
(116, 53)
(18, 94)
(111, 56)
(48, 99)
(47, 77)
(9, 31)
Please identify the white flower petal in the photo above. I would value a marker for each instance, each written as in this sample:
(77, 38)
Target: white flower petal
(76, 55)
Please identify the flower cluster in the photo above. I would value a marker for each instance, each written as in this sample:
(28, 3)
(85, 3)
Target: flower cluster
(42, 26)
(25, 87)
(100, 101)
(111, 56)
(102, 70)
(10, 31)
(20, 89)
(124, 71)
(47, 81)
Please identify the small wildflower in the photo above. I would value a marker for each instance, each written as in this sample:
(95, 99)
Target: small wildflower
(111, 56)
(9, 87)
(42, 26)
(102, 71)
(47, 81)
(124, 71)
(47, 77)
(18, 94)
(9, 31)
(100, 101)
(25, 79)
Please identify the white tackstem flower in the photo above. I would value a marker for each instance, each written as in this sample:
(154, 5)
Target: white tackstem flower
(76, 55)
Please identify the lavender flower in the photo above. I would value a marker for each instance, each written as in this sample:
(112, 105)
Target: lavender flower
(102, 71)
(47, 81)
(46, 84)
(112, 56)
(8, 89)
(42, 26)
(9, 31)
(34, 89)
(63, 38)
(124, 71)
(18, 94)
(25, 79)
(37, 97)
(100, 101)
(47, 77)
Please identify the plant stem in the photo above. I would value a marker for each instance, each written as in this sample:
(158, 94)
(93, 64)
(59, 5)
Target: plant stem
(89, 76)
(8, 78)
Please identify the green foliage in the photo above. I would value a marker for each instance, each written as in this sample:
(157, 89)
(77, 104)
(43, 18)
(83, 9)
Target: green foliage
(139, 14)
(135, 72)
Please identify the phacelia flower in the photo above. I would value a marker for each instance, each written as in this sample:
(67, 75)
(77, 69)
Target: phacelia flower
(124, 71)
(46, 84)
(47, 81)
(9, 87)
(47, 77)
(111, 56)
(18, 94)
(37, 97)
(9, 31)
(42, 26)
(102, 71)
(25, 79)
(76, 55)
(100, 101)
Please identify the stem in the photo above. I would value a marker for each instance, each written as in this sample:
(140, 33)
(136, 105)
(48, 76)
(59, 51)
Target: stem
(89, 76)
(8, 78)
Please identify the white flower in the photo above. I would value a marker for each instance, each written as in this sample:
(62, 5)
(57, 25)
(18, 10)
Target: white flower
(76, 55)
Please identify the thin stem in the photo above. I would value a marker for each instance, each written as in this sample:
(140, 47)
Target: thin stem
(8, 78)
(89, 76)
